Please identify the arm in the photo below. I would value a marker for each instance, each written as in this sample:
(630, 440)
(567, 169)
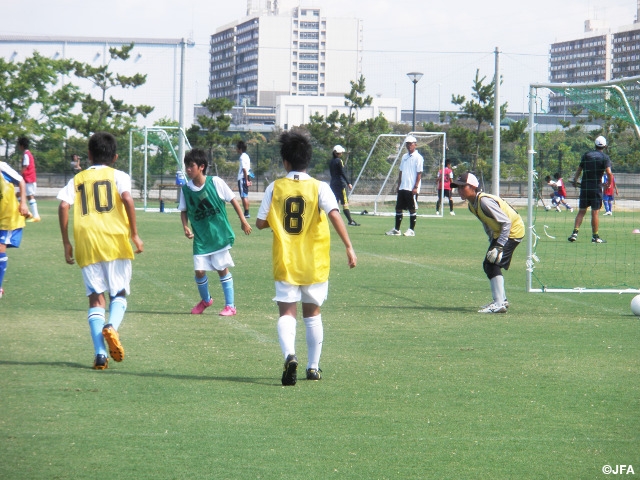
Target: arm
(130, 208)
(577, 175)
(23, 208)
(63, 218)
(609, 177)
(261, 224)
(246, 177)
(417, 184)
(185, 224)
(246, 228)
(341, 230)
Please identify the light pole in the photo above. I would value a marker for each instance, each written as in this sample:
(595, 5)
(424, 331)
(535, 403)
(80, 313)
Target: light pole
(415, 78)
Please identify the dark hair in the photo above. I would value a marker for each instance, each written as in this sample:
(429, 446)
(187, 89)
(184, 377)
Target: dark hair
(241, 146)
(197, 156)
(556, 175)
(23, 142)
(547, 178)
(103, 148)
(296, 148)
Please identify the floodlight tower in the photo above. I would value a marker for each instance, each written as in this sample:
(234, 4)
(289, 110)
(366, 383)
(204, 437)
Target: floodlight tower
(415, 78)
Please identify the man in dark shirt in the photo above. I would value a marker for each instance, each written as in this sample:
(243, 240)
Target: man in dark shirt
(339, 182)
(592, 165)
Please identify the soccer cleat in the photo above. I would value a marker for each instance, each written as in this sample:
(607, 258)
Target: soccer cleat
(289, 375)
(505, 304)
(409, 233)
(101, 362)
(452, 213)
(393, 232)
(33, 219)
(353, 223)
(573, 237)
(228, 311)
(201, 306)
(493, 308)
(247, 215)
(437, 212)
(597, 239)
(1, 292)
(116, 350)
(571, 210)
(607, 213)
(314, 374)
(558, 208)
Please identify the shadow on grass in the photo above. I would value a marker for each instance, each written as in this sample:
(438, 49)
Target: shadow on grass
(257, 381)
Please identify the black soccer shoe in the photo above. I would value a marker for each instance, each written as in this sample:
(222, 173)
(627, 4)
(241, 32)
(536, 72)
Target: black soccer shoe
(101, 362)
(353, 223)
(289, 373)
(314, 374)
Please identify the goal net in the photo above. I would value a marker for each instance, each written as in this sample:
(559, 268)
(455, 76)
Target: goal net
(555, 264)
(375, 188)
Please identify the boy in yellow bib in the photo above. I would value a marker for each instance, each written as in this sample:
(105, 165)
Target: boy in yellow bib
(296, 208)
(104, 219)
(505, 229)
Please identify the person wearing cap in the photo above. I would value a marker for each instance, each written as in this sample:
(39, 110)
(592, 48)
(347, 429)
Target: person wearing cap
(408, 187)
(505, 229)
(592, 166)
(339, 183)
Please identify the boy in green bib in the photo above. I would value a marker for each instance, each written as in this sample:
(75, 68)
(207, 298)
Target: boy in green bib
(202, 204)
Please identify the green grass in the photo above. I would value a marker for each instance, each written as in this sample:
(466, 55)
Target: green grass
(416, 383)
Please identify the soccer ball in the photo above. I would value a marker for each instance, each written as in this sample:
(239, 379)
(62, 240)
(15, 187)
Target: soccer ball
(635, 305)
(547, 208)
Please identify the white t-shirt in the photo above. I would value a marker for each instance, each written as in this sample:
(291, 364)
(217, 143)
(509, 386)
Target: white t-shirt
(123, 184)
(223, 190)
(410, 166)
(245, 164)
(326, 199)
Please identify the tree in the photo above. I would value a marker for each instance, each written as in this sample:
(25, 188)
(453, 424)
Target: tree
(481, 109)
(32, 103)
(213, 124)
(102, 114)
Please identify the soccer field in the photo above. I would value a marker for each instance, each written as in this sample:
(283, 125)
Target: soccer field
(415, 385)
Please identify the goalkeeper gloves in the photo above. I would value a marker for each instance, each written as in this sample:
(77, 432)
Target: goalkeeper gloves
(494, 255)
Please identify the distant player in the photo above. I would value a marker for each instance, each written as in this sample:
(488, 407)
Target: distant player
(104, 220)
(443, 185)
(296, 208)
(30, 177)
(409, 179)
(339, 182)
(505, 229)
(244, 176)
(202, 204)
(559, 192)
(12, 214)
(609, 188)
(592, 166)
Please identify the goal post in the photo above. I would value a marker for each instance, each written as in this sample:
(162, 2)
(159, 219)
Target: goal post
(553, 263)
(374, 190)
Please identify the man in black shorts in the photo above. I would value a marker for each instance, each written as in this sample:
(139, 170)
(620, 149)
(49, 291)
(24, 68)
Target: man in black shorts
(592, 165)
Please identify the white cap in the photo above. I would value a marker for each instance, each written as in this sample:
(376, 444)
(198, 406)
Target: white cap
(338, 149)
(601, 141)
(465, 179)
(410, 139)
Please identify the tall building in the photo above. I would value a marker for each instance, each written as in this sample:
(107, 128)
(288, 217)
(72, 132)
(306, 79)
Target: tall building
(599, 55)
(283, 48)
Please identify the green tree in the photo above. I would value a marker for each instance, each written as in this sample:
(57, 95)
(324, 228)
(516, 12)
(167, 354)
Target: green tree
(210, 133)
(102, 113)
(480, 108)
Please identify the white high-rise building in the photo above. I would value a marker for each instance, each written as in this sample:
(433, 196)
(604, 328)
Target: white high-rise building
(283, 48)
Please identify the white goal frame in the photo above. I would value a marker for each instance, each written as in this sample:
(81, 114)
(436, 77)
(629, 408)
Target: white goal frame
(532, 200)
(397, 156)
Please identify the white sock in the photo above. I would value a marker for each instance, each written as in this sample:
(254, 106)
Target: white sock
(287, 335)
(315, 335)
(497, 290)
(34, 207)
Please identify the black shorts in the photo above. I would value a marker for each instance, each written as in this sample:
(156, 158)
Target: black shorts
(243, 188)
(507, 252)
(590, 198)
(341, 195)
(406, 200)
(447, 193)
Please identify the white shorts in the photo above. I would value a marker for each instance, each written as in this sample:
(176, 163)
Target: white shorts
(217, 261)
(287, 293)
(109, 277)
(31, 189)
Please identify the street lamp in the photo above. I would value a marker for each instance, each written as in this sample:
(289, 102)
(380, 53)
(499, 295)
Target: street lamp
(415, 78)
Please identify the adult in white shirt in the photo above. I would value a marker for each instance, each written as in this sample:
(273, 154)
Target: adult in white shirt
(244, 182)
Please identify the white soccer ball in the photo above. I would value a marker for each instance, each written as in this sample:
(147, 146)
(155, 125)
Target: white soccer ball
(635, 305)
(547, 208)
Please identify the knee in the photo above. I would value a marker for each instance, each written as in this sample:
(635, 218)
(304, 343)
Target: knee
(491, 269)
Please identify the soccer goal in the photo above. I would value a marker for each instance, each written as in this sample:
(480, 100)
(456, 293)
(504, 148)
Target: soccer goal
(156, 149)
(555, 264)
(375, 188)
